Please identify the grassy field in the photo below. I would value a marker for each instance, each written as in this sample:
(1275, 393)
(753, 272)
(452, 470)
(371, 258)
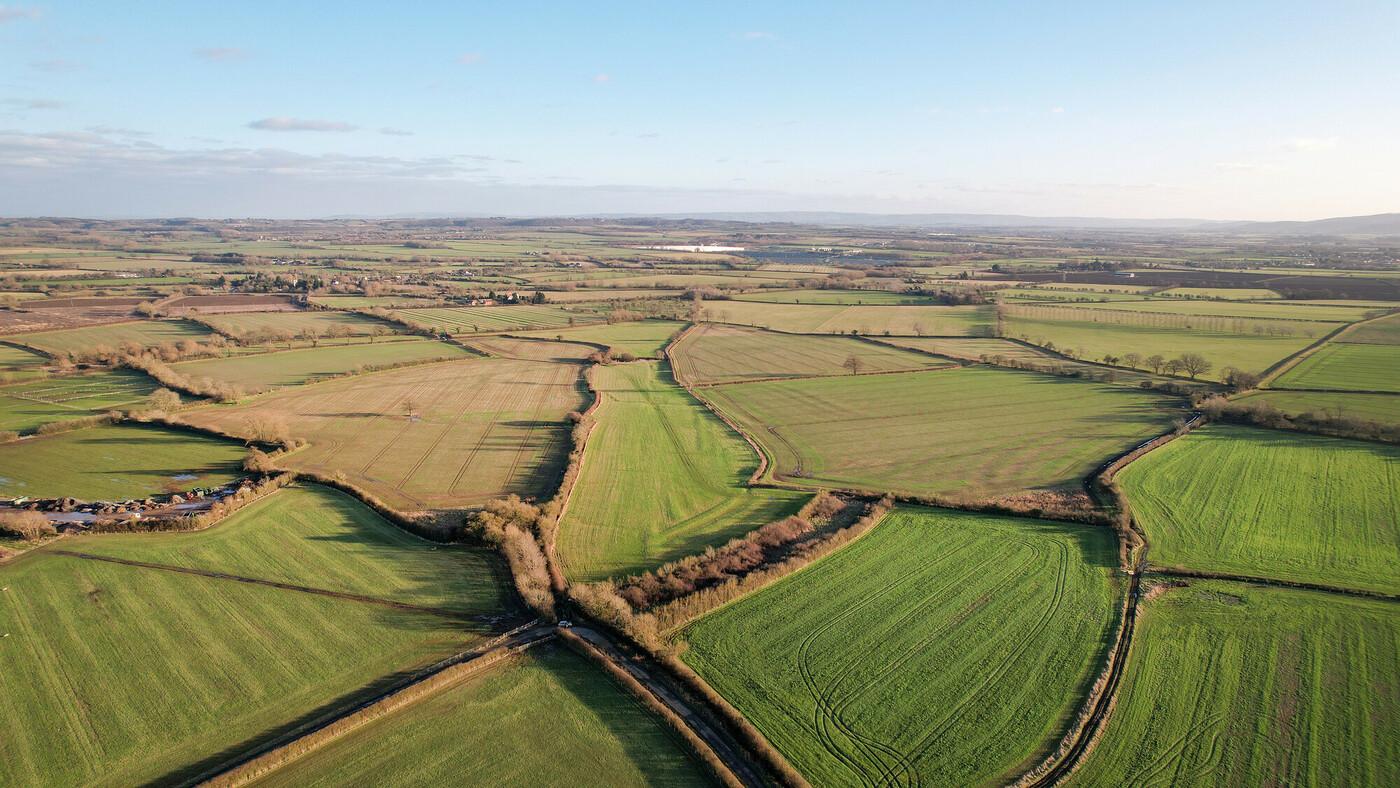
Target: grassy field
(318, 537)
(1250, 352)
(113, 336)
(1265, 503)
(433, 436)
(973, 348)
(289, 368)
(943, 648)
(13, 358)
(644, 339)
(126, 675)
(1344, 366)
(662, 478)
(843, 319)
(976, 430)
(366, 302)
(116, 463)
(1230, 684)
(715, 353)
(1251, 310)
(25, 406)
(1383, 408)
(547, 717)
(1385, 331)
(1228, 293)
(255, 323)
(474, 319)
(877, 297)
(601, 294)
(1044, 294)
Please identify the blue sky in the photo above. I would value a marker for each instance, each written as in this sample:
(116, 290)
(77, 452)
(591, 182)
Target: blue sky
(1215, 110)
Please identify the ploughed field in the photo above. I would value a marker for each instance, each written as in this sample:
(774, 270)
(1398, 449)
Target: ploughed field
(1266, 503)
(116, 463)
(1235, 684)
(433, 436)
(662, 478)
(109, 665)
(942, 648)
(976, 431)
(547, 717)
(712, 353)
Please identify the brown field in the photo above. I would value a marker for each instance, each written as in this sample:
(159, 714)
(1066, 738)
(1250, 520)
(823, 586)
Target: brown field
(435, 436)
(216, 304)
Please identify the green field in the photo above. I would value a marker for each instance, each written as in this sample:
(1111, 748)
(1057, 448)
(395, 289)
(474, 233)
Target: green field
(433, 436)
(877, 297)
(292, 367)
(843, 319)
(1265, 503)
(943, 648)
(976, 430)
(1043, 294)
(974, 348)
(1270, 311)
(644, 339)
(474, 319)
(1382, 408)
(116, 463)
(125, 675)
(1345, 366)
(318, 537)
(545, 718)
(662, 478)
(113, 336)
(1231, 684)
(715, 353)
(13, 358)
(1385, 331)
(272, 324)
(1087, 339)
(25, 406)
(366, 302)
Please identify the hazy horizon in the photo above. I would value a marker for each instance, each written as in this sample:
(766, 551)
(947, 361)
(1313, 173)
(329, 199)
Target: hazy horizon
(1253, 111)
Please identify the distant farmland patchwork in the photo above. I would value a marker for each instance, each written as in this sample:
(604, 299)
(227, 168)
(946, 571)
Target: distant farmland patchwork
(259, 372)
(845, 319)
(943, 648)
(470, 320)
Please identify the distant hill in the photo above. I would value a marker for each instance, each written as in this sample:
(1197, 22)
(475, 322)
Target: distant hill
(1377, 224)
(949, 221)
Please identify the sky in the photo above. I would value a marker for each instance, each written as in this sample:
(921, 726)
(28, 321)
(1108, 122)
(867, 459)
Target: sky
(1215, 110)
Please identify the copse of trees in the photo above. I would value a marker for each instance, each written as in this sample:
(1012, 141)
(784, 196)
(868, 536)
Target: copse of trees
(1262, 413)
(26, 525)
(511, 525)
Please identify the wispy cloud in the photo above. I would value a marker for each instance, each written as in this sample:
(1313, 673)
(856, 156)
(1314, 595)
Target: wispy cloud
(471, 58)
(757, 35)
(1311, 144)
(299, 124)
(393, 132)
(221, 54)
(96, 155)
(57, 65)
(13, 13)
(117, 131)
(1057, 110)
(35, 103)
(602, 78)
